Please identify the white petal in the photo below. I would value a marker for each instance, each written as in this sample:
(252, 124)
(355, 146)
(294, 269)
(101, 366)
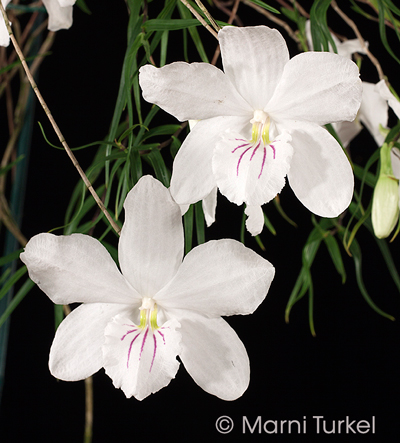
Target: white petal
(320, 173)
(385, 93)
(209, 205)
(395, 158)
(191, 91)
(346, 48)
(251, 172)
(346, 131)
(75, 268)
(255, 219)
(151, 244)
(217, 278)
(373, 111)
(65, 3)
(141, 361)
(214, 356)
(4, 36)
(349, 47)
(192, 177)
(253, 59)
(76, 350)
(317, 87)
(59, 17)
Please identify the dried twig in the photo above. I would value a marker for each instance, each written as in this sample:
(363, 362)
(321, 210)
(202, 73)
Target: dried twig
(200, 18)
(55, 126)
(354, 27)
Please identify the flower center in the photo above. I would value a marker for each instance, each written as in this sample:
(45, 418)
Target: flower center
(148, 322)
(259, 140)
(148, 313)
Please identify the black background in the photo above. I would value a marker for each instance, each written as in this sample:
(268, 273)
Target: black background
(349, 369)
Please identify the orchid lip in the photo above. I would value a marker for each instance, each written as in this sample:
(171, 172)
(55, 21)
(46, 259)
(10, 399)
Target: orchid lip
(259, 140)
(148, 322)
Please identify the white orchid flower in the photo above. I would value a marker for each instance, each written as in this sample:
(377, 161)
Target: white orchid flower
(260, 121)
(373, 113)
(60, 17)
(135, 323)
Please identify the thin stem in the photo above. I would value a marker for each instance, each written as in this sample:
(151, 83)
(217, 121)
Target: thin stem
(208, 15)
(200, 18)
(353, 26)
(88, 410)
(274, 19)
(55, 126)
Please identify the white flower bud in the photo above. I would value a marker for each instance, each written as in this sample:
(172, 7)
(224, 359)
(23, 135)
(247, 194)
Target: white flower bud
(385, 202)
(385, 206)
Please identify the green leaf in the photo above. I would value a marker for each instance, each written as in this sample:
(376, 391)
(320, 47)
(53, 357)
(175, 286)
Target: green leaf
(269, 225)
(12, 280)
(335, 254)
(200, 225)
(157, 162)
(188, 225)
(58, 315)
(265, 6)
(169, 24)
(357, 257)
(382, 29)
(10, 257)
(16, 300)
(82, 5)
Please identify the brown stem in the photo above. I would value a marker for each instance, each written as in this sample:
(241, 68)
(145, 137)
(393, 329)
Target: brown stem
(55, 126)
(200, 18)
(353, 26)
(274, 19)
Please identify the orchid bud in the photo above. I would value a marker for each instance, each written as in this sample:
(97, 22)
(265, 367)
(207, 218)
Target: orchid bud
(385, 202)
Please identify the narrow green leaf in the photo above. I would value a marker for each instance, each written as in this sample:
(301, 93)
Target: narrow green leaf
(16, 300)
(169, 24)
(157, 162)
(188, 226)
(200, 225)
(357, 257)
(265, 6)
(58, 315)
(335, 254)
(269, 225)
(10, 257)
(12, 280)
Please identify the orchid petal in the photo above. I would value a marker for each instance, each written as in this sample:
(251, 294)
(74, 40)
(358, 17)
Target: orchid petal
(214, 356)
(249, 171)
(385, 93)
(395, 159)
(373, 111)
(141, 361)
(59, 17)
(346, 48)
(65, 3)
(320, 173)
(192, 177)
(76, 350)
(191, 91)
(255, 219)
(318, 87)
(209, 205)
(253, 60)
(75, 268)
(4, 36)
(346, 131)
(151, 245)
(219, 278)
